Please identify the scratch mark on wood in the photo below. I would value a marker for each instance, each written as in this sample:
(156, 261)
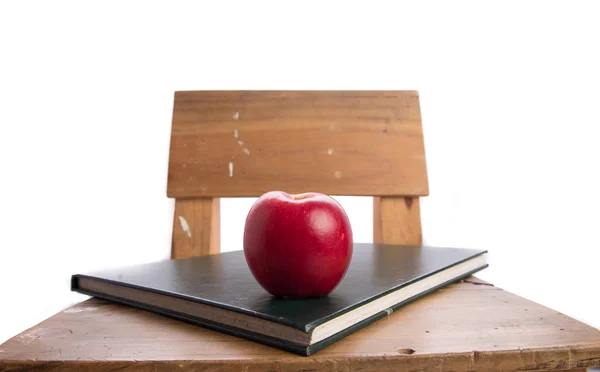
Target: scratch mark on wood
(329, 151)
(337, 174)
(241, 143)
(230, 169)
(236, 115)
(235, 133)
(79, 309)
(29, 336)
(246, 151)
(185, 226)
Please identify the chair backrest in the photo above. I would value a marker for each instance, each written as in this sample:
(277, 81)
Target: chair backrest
(245, 143)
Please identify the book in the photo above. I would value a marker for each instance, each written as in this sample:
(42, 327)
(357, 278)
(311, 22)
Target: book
(220, 293)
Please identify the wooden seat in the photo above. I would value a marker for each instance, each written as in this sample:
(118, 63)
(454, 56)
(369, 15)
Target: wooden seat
(227, 144)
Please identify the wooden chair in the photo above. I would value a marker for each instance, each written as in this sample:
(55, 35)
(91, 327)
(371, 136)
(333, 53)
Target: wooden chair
(232, 144)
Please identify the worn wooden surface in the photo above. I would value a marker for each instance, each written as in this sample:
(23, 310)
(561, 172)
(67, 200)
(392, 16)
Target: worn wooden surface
(469, 326)
(397, 220)
(245, 143)
(196, 227)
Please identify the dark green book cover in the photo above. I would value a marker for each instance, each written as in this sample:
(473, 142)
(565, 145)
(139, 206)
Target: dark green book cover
(224, 281)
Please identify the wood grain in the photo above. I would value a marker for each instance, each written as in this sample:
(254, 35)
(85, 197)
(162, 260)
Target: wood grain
(245, 143)
(196, 227)
(468, 326)
(397, 220)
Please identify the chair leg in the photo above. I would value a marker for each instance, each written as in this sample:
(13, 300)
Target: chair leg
(196, 227)
(397, 220)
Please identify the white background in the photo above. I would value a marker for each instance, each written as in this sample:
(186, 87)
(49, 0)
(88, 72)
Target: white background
(510, 105)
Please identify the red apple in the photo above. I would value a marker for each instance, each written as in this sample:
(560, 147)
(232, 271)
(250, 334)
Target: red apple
(297, 245)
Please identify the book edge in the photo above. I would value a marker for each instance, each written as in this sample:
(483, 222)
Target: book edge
(316, 347)
(219, 305)
(233, 331)
(312, 325)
